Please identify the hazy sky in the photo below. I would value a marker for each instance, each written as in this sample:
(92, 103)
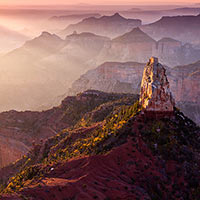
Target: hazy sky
(50, 2)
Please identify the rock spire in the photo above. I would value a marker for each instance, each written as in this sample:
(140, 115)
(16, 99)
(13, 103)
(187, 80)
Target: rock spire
(155, 95)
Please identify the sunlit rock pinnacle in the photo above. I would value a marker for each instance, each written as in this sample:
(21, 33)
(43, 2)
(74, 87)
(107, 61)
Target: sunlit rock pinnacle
(155, 94)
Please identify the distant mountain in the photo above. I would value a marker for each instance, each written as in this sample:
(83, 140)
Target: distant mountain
(59, 22)
(24, 77)
(43, 68)
(137, 46)
(110, 26)
(182, 28)
(10, 39)
(187, 10)
(39, 47)
(74, 17)
(126, 78)
(150, 15)
(134, 36)
(85, 45)
(132, 46)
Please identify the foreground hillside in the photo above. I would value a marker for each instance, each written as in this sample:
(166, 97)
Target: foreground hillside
(145, 150)
(127, 156)
(20, 130)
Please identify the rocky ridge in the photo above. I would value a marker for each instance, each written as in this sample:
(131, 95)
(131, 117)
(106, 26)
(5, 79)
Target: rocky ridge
(20, 131)
(110, 26)
(183, 28)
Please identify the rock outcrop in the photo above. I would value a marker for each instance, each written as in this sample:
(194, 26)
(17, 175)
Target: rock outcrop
(155, 95)
(126, 78)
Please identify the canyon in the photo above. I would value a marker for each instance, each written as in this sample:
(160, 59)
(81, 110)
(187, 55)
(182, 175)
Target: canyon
(126, 78)
(44, 68)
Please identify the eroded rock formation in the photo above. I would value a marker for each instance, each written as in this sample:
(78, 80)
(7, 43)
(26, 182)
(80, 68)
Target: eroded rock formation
(155, 94)
(126, 78)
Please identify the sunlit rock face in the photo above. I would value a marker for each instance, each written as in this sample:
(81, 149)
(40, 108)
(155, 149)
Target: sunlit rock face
(155, 94)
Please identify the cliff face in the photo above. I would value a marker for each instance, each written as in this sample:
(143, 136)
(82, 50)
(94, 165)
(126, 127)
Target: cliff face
(185, 82)
(111, 77)
(169, 51)
(126, 77)
(11, 150)
(155, 95)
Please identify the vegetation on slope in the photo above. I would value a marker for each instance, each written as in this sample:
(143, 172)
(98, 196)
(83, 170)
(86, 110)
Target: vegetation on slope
(71, 142)
(173, 141)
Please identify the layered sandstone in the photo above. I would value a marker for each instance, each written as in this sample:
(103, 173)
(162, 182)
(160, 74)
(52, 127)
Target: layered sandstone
(155, 94)
(113, 77)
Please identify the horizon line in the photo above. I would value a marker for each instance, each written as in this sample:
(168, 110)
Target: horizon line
(111, 4)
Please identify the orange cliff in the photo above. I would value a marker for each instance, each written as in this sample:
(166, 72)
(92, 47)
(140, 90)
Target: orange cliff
(155, 95)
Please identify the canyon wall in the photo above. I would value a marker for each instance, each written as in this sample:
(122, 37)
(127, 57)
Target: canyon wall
(126, 78)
